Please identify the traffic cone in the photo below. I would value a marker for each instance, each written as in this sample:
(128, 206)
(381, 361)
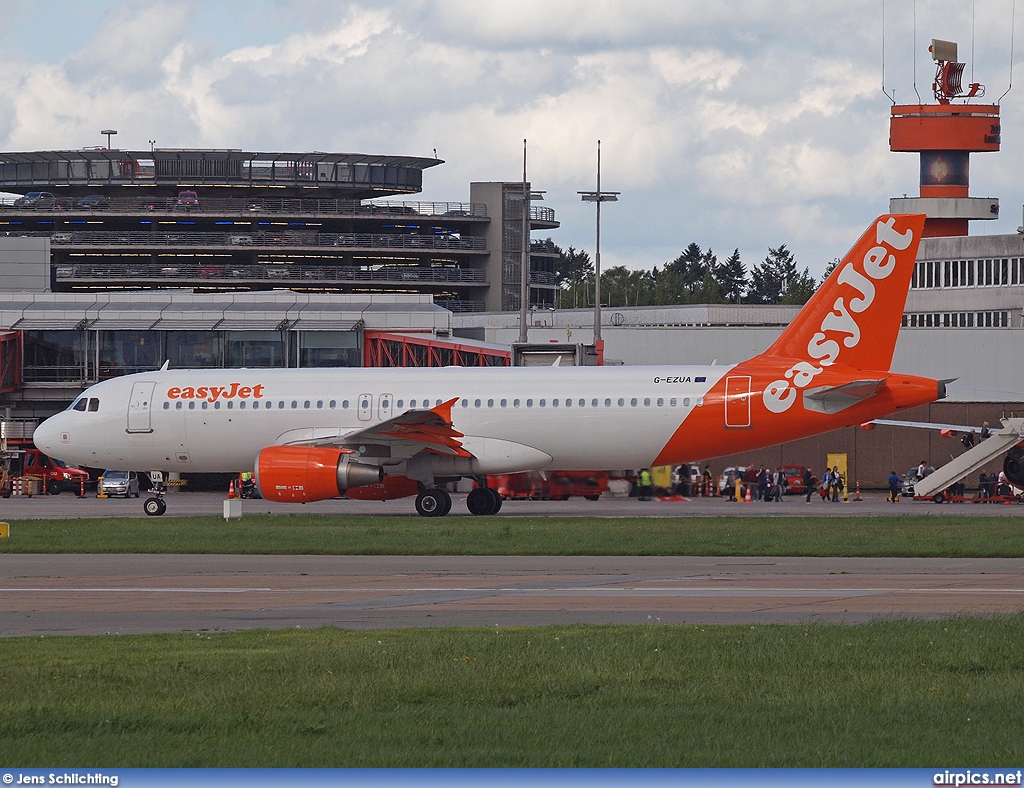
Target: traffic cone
(231, 489)
(749, 498)
(857, 496)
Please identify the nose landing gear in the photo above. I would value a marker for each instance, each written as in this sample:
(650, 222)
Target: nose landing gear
(156, 505)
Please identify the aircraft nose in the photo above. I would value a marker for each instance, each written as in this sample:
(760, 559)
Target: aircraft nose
(47, 435)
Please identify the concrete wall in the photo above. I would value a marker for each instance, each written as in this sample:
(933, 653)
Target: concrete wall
(24, 264)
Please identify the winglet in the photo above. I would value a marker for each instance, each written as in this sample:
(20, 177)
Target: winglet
(444, 410)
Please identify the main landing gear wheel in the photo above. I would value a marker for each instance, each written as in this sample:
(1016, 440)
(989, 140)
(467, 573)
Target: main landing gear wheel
(433, 503)
(483, 501)
(154, 507)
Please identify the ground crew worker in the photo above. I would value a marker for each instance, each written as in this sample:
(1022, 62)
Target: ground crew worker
(808, 483)
(707, 481)
(644, 484)
(894, 488)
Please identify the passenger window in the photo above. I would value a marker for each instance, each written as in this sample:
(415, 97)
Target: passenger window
(593, 403)
(465, 402)
(231, 405)
(207, 404)
(192, 404)
(504, 403)
(700, 402)
(490, 403)
(344, 404)
(80, 404)
(515, 403)
(661, 402)
(607, 403)
(476, 403)
(400, 404)
(306, 404)
(241, 405)
(216, 405)
(622, 402)
(256, 405)
(295, 404)
(672, 402)
(167, 406)
(412, 403)
(568, 403)
(686, 402)
(333, 404)
(647, 402)
(529, 403)
(94, 404)
(177, 405)
(542, 403)
(632, 402)
(554, 403)
(584, 402)
(320, 404)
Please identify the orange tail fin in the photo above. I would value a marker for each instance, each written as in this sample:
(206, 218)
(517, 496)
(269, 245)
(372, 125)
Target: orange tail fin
(854, 318)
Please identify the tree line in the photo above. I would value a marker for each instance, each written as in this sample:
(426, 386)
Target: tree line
(696, 276)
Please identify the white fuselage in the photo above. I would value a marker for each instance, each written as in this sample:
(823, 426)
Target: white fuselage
(216, 420)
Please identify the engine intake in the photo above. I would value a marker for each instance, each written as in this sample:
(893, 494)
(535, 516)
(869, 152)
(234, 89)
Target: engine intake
(299, 474)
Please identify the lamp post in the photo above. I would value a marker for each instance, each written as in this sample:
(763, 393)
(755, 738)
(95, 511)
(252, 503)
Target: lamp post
(524, 266)
(598, 197)
(110, 133)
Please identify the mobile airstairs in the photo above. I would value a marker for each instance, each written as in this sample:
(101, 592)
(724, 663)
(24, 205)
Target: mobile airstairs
(999, 442)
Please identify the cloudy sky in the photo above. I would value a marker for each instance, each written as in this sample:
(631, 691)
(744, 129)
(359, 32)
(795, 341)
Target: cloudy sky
(733, 124)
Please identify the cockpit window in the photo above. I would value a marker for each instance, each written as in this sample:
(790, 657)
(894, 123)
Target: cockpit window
(79, 404)
(94, 404)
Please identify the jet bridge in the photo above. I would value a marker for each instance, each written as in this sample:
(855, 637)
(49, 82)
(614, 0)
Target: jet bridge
(999, 442)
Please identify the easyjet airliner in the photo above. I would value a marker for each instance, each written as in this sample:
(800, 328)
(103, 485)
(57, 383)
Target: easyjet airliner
(313, 434)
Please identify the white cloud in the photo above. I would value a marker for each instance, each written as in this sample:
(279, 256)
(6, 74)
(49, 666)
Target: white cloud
(733, 124)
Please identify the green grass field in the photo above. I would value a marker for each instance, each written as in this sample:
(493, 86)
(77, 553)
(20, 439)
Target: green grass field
(882, 694)
(908, 535)
(889, 693)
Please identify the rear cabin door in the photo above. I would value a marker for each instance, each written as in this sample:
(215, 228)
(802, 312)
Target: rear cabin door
(737, 401)
(140, 407)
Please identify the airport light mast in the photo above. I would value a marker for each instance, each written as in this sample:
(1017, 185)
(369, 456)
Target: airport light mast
(597, 197)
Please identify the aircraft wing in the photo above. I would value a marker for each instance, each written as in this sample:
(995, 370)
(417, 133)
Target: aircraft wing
(924, 425)
(404, 435)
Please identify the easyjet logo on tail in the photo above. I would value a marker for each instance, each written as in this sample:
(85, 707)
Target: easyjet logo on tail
(840, 328)
(214, 393)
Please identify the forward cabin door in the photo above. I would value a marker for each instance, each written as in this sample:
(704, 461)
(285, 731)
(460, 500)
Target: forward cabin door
(737, 402)
(140, 407)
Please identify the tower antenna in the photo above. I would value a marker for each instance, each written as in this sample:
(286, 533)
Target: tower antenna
(1013, 16)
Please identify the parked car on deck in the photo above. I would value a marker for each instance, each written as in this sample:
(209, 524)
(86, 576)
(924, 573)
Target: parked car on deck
(36, 200)
(94, 201)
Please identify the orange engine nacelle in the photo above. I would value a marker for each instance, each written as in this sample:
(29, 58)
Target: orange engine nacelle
(300, 474)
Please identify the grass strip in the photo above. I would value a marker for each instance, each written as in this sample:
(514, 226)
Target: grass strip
(893, 694)
(893, 536)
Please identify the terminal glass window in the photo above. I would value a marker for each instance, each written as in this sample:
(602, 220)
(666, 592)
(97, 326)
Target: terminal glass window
(53, 356)
(330, 349)
(128, 352)
(195, 349)
(254, 349)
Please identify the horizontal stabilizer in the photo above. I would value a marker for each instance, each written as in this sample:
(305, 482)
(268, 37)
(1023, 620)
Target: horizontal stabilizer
(833, 399)
(970, 461)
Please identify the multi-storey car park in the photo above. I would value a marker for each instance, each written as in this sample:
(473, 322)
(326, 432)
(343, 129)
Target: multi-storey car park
(230, 220)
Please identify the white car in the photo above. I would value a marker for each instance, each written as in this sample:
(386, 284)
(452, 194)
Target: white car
(122, 483)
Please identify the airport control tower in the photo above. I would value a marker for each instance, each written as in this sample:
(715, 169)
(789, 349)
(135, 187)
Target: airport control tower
(945, 134)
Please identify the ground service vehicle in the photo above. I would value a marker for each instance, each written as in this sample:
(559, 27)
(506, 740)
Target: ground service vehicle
(314, 434)
(55, 475)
